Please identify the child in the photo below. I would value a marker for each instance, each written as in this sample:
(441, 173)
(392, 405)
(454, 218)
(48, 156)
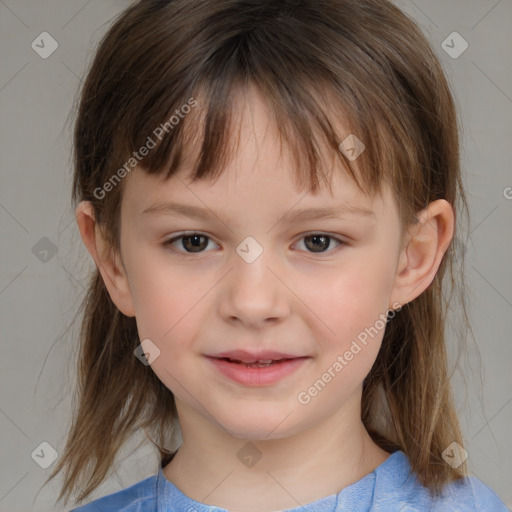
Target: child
(284, 302)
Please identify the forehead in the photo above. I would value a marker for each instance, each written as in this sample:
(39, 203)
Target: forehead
(249, 196)
(260, 169)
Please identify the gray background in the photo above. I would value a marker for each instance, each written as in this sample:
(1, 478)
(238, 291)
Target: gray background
(44, 265)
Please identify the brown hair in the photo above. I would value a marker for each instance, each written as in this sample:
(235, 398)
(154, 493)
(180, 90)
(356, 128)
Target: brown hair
(315, 62)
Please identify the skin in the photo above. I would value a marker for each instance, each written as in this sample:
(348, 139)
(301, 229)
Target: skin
(290, 299)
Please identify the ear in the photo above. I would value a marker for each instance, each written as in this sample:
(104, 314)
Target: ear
(107, 260)
(425, 245)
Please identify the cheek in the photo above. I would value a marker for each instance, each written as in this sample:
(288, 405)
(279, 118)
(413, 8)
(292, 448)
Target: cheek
(349, 333)
(349, 298)
(347, 313)
(166, 300)
(168, 310)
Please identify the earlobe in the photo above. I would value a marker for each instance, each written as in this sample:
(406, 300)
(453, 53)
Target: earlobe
(426, 244)
(107, 260)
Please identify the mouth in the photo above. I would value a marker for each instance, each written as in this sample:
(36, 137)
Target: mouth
(257, 372)
(253, 356)
(257, 363)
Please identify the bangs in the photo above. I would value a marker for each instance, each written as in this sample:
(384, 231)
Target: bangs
(207, 138)
(314, 109)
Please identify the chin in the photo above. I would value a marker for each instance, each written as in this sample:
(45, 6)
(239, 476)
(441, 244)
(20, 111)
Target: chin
(259, 426)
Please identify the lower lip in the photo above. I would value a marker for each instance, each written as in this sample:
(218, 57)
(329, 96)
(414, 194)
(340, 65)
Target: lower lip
(254, 376)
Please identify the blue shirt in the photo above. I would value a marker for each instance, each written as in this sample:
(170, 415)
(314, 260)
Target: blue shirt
(389, 488)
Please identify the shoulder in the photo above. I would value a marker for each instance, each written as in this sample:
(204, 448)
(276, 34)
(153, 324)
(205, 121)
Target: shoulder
(400, 490)
(470, 495)
(140, 497)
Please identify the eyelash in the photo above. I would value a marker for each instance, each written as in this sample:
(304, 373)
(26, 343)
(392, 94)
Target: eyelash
(171, 248)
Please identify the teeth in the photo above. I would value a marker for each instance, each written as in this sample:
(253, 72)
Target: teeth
(252, 361)
(254, 364)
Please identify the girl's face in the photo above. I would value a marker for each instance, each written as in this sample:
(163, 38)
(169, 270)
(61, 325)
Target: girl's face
(259, 277)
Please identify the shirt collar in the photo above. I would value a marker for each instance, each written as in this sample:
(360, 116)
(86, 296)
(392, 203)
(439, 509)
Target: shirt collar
(357, 497)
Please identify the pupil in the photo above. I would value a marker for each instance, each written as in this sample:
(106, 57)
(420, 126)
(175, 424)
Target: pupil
(323, 241)
(196, 242)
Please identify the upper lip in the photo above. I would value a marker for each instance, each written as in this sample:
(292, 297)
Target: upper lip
(247, 356)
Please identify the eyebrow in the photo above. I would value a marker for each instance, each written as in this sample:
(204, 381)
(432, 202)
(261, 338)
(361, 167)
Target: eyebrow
(196, 212)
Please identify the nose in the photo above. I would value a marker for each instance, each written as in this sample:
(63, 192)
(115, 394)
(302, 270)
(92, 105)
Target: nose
(254, 293)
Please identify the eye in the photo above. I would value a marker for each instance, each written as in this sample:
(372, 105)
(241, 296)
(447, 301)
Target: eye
(320, 242)
(193, 243)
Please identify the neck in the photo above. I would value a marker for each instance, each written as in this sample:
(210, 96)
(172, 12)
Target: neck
(218, 469)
